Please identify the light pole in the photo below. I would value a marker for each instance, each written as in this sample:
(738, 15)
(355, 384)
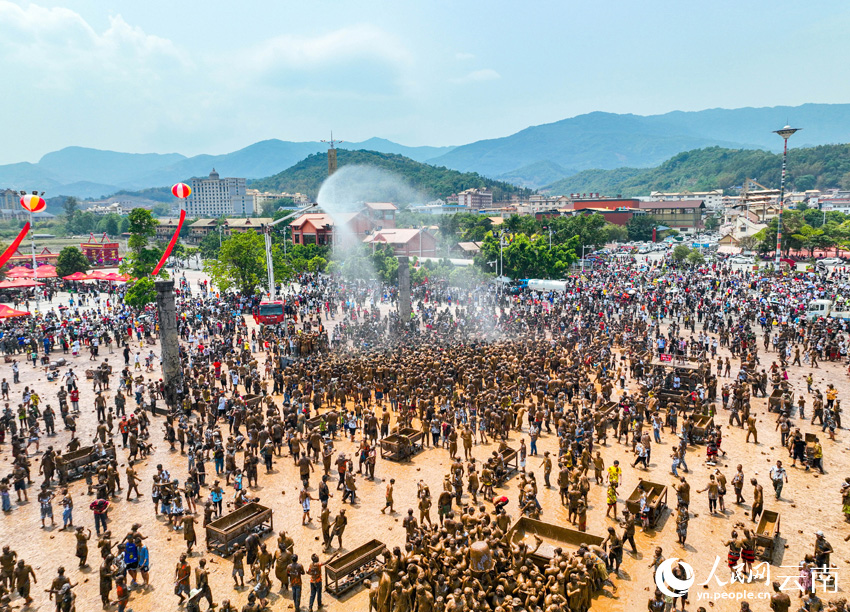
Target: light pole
(786, 133)
(583, 249)
(549, 229)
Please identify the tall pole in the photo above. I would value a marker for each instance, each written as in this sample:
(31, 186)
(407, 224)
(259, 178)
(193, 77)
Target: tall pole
(34, 265)
(786, 133)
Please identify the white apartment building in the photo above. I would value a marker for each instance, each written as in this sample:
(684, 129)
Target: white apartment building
(713, 199)
(219, 197)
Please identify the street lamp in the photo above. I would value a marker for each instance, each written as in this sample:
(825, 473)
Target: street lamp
(786, 133)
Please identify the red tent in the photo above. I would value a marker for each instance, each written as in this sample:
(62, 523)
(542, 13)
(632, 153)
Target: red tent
(98, 275)
(76, 276)
(118, 278)
(45, 271)
(19, 272)
(7, 312)
(19, 283)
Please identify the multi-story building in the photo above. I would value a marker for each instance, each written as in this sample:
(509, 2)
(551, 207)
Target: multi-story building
(262, 198)
(713, 199)
(682, 215)
(474, 199)
(219, 197)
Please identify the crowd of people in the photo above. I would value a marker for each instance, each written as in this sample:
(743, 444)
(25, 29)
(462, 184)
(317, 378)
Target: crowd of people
(522, 392)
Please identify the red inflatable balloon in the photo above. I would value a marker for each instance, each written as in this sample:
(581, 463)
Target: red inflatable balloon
(181, 190)
(33, 203)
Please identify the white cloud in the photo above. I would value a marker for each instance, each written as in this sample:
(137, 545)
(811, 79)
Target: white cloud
(464, 56)
(124, 88)
(478, 76)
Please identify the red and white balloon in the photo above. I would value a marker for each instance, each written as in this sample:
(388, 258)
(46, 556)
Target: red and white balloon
(33, 203)
(181, 190)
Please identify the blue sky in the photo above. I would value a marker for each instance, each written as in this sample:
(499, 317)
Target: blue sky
(210, 77)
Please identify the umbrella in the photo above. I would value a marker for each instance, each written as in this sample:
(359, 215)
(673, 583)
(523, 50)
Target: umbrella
(19, 283)
(97, 275)
(76, 276)
(7, 312)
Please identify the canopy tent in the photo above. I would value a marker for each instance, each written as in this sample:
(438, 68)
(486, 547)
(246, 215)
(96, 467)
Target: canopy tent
(19, 272)
(43, 271)
(19, 283)
(76, 276)
(118, 278)
(98, 275)
(7, 312)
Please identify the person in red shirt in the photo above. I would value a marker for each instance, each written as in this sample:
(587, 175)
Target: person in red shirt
(74, 396)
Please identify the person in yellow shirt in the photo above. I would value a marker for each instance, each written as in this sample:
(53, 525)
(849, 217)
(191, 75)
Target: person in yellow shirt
(615, 474)
(817, 455)
(831, 394)
(611, 498)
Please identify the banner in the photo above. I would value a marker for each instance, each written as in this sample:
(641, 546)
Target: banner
(14, 246)
(171, 244)
(665, 357)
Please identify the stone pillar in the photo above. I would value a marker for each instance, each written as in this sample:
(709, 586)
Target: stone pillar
(404, 306)
(172, 372)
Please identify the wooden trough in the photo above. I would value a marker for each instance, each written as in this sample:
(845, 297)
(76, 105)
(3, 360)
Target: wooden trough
(702, 423)
(349, 570)
(766, 534)
(773, 402)
(251, 400)
(70, 465)
(510, 458)
(231, 529)
(656, 500)
(401, 444)
(553, 536)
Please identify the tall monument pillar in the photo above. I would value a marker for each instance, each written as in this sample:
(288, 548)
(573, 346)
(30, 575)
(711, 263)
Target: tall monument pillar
(331, 160)
(404, 306)
(168, 336)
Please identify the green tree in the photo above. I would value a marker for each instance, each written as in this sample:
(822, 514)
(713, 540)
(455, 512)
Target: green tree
(616, 233)
(109, 224)
(681, 252)
(141, 258)
(241, 263)
(694, 258)
(140, 293)
(70, 208)
(640, 227)
(70, 261)
(317, 264)
(209, 245)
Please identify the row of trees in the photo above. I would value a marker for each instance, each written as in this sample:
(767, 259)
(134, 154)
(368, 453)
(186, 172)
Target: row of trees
(805, 229)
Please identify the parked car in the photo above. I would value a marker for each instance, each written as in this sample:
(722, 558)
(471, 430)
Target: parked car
(830, 261)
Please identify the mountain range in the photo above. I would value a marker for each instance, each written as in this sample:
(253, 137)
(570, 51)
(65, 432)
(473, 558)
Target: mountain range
(534, 157)
(92, 173)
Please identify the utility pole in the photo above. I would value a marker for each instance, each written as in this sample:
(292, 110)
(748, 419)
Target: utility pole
(786, 133)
